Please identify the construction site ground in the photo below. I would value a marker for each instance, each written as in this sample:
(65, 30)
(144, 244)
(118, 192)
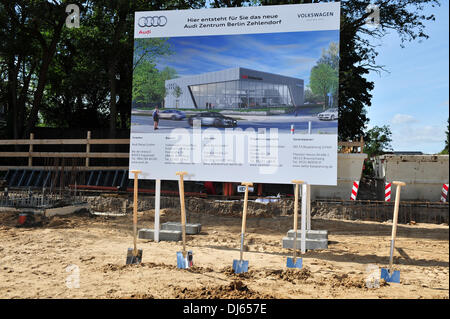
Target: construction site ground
(34, 260)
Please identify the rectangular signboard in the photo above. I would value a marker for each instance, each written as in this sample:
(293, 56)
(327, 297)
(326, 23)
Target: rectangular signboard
(236, 94)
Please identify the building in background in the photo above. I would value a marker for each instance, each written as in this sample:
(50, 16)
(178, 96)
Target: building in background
(234, 88)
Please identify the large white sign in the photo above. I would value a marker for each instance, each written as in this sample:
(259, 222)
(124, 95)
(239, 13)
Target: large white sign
(237, 94)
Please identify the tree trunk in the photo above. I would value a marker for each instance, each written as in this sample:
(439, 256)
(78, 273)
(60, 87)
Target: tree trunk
(13, 123)
(47, 57)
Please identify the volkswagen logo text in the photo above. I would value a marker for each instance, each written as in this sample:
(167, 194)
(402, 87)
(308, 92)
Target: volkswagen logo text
(152, 21)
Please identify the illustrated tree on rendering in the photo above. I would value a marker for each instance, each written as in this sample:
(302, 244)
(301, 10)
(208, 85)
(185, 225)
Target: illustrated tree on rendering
(177, 92)
(149, 83)
(323, 80)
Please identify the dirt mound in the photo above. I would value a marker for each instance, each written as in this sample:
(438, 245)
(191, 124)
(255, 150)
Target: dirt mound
(59, 223)
(290, 275)
(199, 270)
(235, 290)
(346, 281)
(11, 219)
(245, 275)
(8, 218)
(114, 267)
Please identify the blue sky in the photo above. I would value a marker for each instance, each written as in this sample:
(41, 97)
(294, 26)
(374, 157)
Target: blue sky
(290, 54)
(413, 99)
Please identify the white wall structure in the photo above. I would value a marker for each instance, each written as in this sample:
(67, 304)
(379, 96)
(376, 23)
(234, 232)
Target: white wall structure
(349, 169)
(234, 88)
(424, 175)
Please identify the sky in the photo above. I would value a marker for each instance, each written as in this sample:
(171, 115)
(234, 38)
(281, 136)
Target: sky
(290, 54)
(413, 98)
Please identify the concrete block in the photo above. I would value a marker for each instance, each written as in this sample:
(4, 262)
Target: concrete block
(164, 235)
(311, 244)
(66, 210)
(191, 229)
(310, 234)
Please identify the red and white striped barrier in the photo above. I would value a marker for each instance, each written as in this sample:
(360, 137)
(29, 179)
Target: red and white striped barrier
(387, 192)
(354, 190)
(444, 193)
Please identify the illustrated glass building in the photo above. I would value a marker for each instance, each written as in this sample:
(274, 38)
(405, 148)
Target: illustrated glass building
(232, 89)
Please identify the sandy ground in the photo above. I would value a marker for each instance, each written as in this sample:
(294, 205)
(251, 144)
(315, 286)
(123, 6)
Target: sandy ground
(34, 260)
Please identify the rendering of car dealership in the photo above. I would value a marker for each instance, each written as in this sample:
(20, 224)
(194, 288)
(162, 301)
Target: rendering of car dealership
(234, 88)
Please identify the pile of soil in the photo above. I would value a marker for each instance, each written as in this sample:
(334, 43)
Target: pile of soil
(235, 290)
(114, 267)
(245, 275)
(346, 281)
(199, 270)
(290, 275)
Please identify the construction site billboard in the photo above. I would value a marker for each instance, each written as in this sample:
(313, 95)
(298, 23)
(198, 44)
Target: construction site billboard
(235, 94)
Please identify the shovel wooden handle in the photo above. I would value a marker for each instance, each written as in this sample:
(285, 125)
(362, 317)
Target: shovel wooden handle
(183, 209)
(244, 216)
(395, 220)
(135, 203)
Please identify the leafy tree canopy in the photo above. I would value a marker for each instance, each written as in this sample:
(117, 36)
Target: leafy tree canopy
(378, 140)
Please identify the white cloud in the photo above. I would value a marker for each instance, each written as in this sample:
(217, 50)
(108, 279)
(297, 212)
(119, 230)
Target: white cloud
(426, 138)
(403, 119)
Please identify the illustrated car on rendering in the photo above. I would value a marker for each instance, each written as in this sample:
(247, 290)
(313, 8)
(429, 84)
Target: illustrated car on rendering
(213, 119)
(330, 114)
(172, 115)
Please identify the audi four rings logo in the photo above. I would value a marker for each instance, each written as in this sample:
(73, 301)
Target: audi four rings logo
(152, 21)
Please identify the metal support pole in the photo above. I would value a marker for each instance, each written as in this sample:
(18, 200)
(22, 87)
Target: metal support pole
(308, 203)
(303, 225)
(157, 207)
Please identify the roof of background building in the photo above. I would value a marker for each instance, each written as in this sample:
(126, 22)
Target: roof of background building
(237, 70)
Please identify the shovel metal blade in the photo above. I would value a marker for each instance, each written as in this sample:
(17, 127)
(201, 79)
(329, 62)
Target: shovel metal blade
(297, 264)
(394, 277)
(131, 259)
(240, 266)
(184, 262)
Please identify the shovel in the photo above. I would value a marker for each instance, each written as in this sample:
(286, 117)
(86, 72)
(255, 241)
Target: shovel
(387, 274)
(134, 256)
(184, 258)
(241, 265)
(295, 262)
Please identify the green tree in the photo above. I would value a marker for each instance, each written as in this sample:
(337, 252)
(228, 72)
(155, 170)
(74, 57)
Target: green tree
(149, 83)
(50, 72)
(148, 86)
(330, 56)
(30, 32)
(378, 140)
(323, 80)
